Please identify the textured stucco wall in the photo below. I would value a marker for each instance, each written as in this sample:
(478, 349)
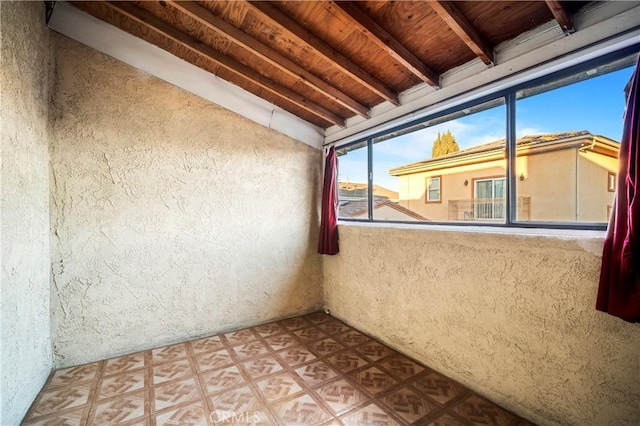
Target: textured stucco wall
(24, 207)
(510, 316)
(171, 217)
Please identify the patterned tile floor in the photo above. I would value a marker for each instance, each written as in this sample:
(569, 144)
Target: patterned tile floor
(301, 371)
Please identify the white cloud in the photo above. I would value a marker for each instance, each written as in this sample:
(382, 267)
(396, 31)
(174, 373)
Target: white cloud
(417, 146)
(352, 170)
(526, 131)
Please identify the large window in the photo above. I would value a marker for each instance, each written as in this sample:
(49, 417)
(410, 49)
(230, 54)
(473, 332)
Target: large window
(540, 154)
(425, 172)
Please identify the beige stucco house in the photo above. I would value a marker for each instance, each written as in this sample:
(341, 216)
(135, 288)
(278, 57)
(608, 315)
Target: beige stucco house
(354, 204)
(355, 190)
(561, 177)
(383, 209)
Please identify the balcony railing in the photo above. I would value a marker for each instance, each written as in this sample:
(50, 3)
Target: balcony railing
(486, 209)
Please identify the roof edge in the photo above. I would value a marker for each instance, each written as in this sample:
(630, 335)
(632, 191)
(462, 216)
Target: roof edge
(493, 152)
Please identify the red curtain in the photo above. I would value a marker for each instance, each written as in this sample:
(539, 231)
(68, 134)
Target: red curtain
(619, 290)
(328, 243)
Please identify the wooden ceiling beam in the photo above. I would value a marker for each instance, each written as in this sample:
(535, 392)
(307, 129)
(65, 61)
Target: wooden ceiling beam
(562, 16)
(266, 53)
(157, 25)
(451, 15)
(270, 12)
(386, 41)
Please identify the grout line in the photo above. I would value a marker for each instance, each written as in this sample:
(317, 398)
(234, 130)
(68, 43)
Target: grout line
(326, 339)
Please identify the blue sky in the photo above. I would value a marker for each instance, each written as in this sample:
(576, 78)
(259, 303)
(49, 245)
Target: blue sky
(595, 105)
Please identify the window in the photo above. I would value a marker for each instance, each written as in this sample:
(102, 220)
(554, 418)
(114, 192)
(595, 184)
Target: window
(611, 182)
(433, 189)
(489, 199)
(535, 155)
(568, 131)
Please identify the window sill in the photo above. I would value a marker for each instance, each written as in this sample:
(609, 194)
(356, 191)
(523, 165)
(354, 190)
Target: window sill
(504, 230)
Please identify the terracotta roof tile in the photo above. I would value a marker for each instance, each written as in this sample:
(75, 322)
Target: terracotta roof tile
(525, 141)
(352, 208)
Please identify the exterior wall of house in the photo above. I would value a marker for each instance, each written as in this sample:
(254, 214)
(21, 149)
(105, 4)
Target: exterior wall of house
(413, 187)
(511, 316)
(385, 213)
(550, 181)
(554, 183)
(25, 352)
(389, 213)
(593, 193)
(172, 218)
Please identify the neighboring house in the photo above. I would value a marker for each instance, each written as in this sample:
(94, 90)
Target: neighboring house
(349, 190)
(562, 177)
(353, 203)
(383, 209)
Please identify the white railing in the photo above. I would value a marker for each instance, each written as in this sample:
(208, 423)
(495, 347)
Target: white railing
(486, 209)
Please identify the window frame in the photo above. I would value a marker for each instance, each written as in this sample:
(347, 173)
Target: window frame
(427, 200)
(492, 179)
(611, 181)
(510, 100)
(484, 179)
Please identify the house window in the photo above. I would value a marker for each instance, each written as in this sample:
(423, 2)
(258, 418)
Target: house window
(489, 200)
(529, 155)
(611, 182)
(433, 189)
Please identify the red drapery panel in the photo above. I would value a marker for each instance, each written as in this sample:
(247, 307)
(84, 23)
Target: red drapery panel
(619, 290)
(328, 243)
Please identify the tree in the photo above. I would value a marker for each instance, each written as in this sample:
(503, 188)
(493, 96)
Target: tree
(444, 144)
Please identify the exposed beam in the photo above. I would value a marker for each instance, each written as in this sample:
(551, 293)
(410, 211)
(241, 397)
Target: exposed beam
(386, 41)
(157, 25)
(266, 53)
(285, 22)
(451, 15)
(562, 15)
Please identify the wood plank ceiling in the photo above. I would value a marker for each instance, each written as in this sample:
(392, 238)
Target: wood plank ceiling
(326, 61)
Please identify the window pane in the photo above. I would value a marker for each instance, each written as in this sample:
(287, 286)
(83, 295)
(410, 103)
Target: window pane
(490, 196)
(433, 186)
(434, 183)
(427, 172)
(568, 144)
(352, 182)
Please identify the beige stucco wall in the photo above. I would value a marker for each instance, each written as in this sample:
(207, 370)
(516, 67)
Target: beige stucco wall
(510, 316)
(550, 181)
(25, 350)
(593, 193)
(389, 213)
(171, 217)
